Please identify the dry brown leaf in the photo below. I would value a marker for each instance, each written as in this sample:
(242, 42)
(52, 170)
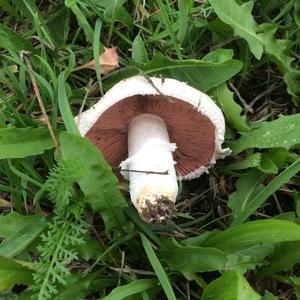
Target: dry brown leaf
(108, 60)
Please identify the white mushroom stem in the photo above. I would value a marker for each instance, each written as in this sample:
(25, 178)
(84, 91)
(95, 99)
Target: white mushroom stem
(150, 166)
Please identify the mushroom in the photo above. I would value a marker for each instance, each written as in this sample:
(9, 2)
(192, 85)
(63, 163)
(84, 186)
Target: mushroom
(155, 131)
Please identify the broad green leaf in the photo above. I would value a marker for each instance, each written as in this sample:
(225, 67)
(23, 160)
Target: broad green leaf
(158, 269)
(132, 288)
(19, 240)
(64, 107)
(241, 21)
(13, 272)
(255, 201)
(230, 108)
(22, 142)
(232, 285)
(283, 258)
(281, 133)
(13, 41)
(197, 73)
(99, 186)
(14, 222)
(139, 53)
(191, 259)
(201, 75)
(253, 233)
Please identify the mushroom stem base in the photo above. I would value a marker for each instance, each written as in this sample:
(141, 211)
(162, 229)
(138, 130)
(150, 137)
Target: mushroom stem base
(150, 168)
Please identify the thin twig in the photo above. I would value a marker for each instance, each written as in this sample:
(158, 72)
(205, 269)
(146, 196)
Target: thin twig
(247, 107)
(122, 268)
(129, 270)
(24, 56)
(146, 172)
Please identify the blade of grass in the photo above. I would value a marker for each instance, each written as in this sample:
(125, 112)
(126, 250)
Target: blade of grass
(132, 288)
(81, 19)
(64, 107)
(159, 270)
(96, 46)
(167, 22)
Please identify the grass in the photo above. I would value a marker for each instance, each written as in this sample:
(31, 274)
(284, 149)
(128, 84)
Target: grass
(235, 233)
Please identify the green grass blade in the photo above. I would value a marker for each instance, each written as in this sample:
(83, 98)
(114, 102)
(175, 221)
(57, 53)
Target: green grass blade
(167, 22)
(159, 270)
(64, 107)
(96, 46)
(132, 288)
(81, 19)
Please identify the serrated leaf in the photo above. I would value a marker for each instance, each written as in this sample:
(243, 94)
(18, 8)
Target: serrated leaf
(99, 186)
(253, 233)
(191, 259)
(231, 285)
(241, 21)
(260, 38)
(23, 142)
(13, 272)
(281, 133)
(230, 108)
(276, 48)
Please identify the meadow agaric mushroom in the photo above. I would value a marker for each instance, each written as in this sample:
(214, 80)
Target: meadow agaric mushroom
(157, 130)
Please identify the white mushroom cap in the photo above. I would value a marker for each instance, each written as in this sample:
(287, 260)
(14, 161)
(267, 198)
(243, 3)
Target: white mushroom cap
(166, 88)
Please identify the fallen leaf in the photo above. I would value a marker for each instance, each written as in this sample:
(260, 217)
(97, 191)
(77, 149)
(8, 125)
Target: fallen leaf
(108, 60)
